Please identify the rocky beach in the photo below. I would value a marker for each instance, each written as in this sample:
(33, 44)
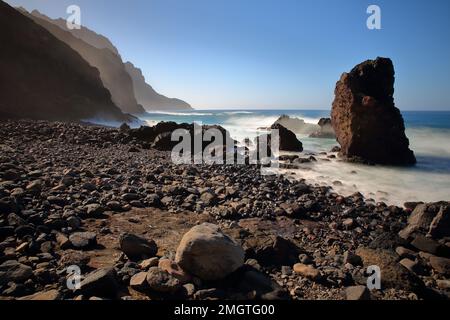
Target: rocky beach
(140, 227)
(110, 189)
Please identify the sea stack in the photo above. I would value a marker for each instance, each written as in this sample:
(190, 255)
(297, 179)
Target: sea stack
(368, 126)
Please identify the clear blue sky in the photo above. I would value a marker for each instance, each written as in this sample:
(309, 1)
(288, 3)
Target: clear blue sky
(272, 54)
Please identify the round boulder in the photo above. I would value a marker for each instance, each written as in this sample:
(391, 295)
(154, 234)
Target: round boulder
(206, 252)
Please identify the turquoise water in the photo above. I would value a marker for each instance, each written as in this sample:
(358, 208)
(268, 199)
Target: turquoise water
(429, 134)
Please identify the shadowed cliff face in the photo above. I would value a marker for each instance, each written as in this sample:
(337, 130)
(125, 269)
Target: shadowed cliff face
(110, 65)
(43, 78)
(148, 97)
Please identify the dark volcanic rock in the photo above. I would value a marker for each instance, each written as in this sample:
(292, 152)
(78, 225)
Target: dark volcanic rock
(367, 124)
(288, 139)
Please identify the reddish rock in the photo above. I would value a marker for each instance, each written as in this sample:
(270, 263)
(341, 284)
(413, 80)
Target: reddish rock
(368, 126)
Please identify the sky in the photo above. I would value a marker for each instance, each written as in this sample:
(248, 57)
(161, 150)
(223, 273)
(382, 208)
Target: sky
(278, 54)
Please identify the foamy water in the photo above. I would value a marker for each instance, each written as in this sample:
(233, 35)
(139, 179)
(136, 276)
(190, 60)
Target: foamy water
(429, 135)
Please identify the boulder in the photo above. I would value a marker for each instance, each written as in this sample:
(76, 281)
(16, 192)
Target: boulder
(13, 271)
(137, 248)
(288, 139)
(83, 240)
(101, 283)
(161, 281)
(368, 126)
(206, 252)
(432, 218)
(271, 250)
(393, 275)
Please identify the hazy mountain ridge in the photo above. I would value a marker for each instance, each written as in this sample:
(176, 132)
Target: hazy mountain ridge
(43, 78)
(111, 68)
(143, 93)
(148, 97)
(87, 35)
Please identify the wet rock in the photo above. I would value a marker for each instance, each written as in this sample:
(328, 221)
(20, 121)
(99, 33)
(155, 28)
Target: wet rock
(136, 247)
(368, 126)
(205, 251)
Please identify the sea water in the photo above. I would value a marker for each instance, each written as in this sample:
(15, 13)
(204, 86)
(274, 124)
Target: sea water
(429, 134)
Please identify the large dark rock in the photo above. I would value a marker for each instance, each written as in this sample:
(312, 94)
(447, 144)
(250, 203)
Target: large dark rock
(288, 139)
(431, 219)
(368, 126)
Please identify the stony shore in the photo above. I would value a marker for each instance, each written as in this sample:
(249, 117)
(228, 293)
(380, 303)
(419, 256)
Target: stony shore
(97, 198)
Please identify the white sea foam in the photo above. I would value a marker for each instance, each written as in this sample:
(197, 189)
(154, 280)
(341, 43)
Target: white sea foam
(428, 181)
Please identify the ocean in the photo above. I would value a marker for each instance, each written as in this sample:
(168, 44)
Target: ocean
(429, 134)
